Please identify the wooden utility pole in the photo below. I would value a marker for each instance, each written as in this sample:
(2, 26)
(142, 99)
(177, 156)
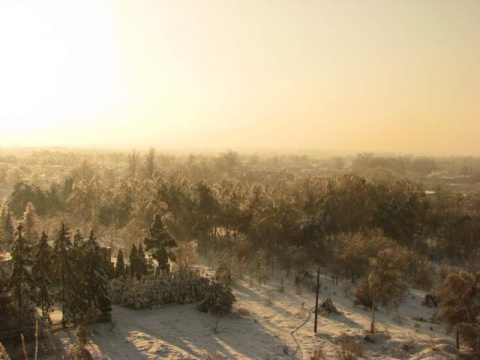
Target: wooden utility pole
(316, 300)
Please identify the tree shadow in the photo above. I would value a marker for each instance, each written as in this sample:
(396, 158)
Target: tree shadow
(181, 331)
(346, 321)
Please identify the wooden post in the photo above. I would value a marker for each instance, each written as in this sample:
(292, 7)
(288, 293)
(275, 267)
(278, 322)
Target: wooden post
(316, 300)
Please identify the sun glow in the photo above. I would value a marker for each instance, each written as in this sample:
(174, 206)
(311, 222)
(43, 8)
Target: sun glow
(58, 64)
(398, 76)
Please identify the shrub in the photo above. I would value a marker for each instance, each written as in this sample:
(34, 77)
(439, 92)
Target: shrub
(218, 299)
(223, 273)
(362, 295)
(318, 353)
(349, 348)
(182, 287)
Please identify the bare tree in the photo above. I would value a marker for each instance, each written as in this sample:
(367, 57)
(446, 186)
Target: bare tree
(29, 220)
(384, 282)
(133, 163)
(458, 295)
(150, 163)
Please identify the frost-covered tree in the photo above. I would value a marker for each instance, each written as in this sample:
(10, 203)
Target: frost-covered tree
(160, 243)
(459, 297)
(142, 261)
(62, 266)
(29, 221)
(76, 255)
(76, 296)
(133, 260)
(150, 163)
(8, 231)
(218, 299)
(21, 277)
(95, 277)
(42, 274)
(133, 160)
(136, 263)
(383, 284)
(120, 265)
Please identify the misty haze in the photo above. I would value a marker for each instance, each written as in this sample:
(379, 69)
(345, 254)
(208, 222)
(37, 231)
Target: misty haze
(239, 179)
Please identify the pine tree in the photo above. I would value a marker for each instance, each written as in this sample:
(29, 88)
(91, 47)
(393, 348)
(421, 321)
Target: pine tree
(160, 244)
(133, 259)
(218, 299)
(138, 262)
(20, 262)
(76, 255)
(142, 261)
(78, 239)
(41, 273)
(95, 276)
(76, 295)
(62, 267)
(29, 220)
(120, 265)
(7, 226)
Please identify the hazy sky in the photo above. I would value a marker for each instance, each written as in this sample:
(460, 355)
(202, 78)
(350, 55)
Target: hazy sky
(401, 76)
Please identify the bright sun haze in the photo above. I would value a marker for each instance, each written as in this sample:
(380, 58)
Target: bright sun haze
(399, 76)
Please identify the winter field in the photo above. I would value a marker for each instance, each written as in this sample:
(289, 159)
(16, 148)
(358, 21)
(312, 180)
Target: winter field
(269, 322)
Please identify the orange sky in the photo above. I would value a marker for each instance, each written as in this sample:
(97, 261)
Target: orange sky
(400, 76)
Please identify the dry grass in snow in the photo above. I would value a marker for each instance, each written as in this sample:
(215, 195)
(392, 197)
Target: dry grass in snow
(272, 324)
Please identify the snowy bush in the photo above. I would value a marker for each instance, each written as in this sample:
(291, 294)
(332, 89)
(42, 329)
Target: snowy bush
(183, 287)
(151, 291)
(218, 299)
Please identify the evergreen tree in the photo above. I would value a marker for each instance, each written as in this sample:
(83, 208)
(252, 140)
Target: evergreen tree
(29, 220)
(77, 239)
(218, 299)
(142, 261)
(120, 265)
(7, 226)
(76, 296)
(160, 244)
(22, 194)
(95, 276)
(133, 258)
(138, 262)
(20, 277)
(62, 267)
(41, 274)
(76, 256)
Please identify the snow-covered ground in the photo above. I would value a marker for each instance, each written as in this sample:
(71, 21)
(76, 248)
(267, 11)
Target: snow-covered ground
(269, 324)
